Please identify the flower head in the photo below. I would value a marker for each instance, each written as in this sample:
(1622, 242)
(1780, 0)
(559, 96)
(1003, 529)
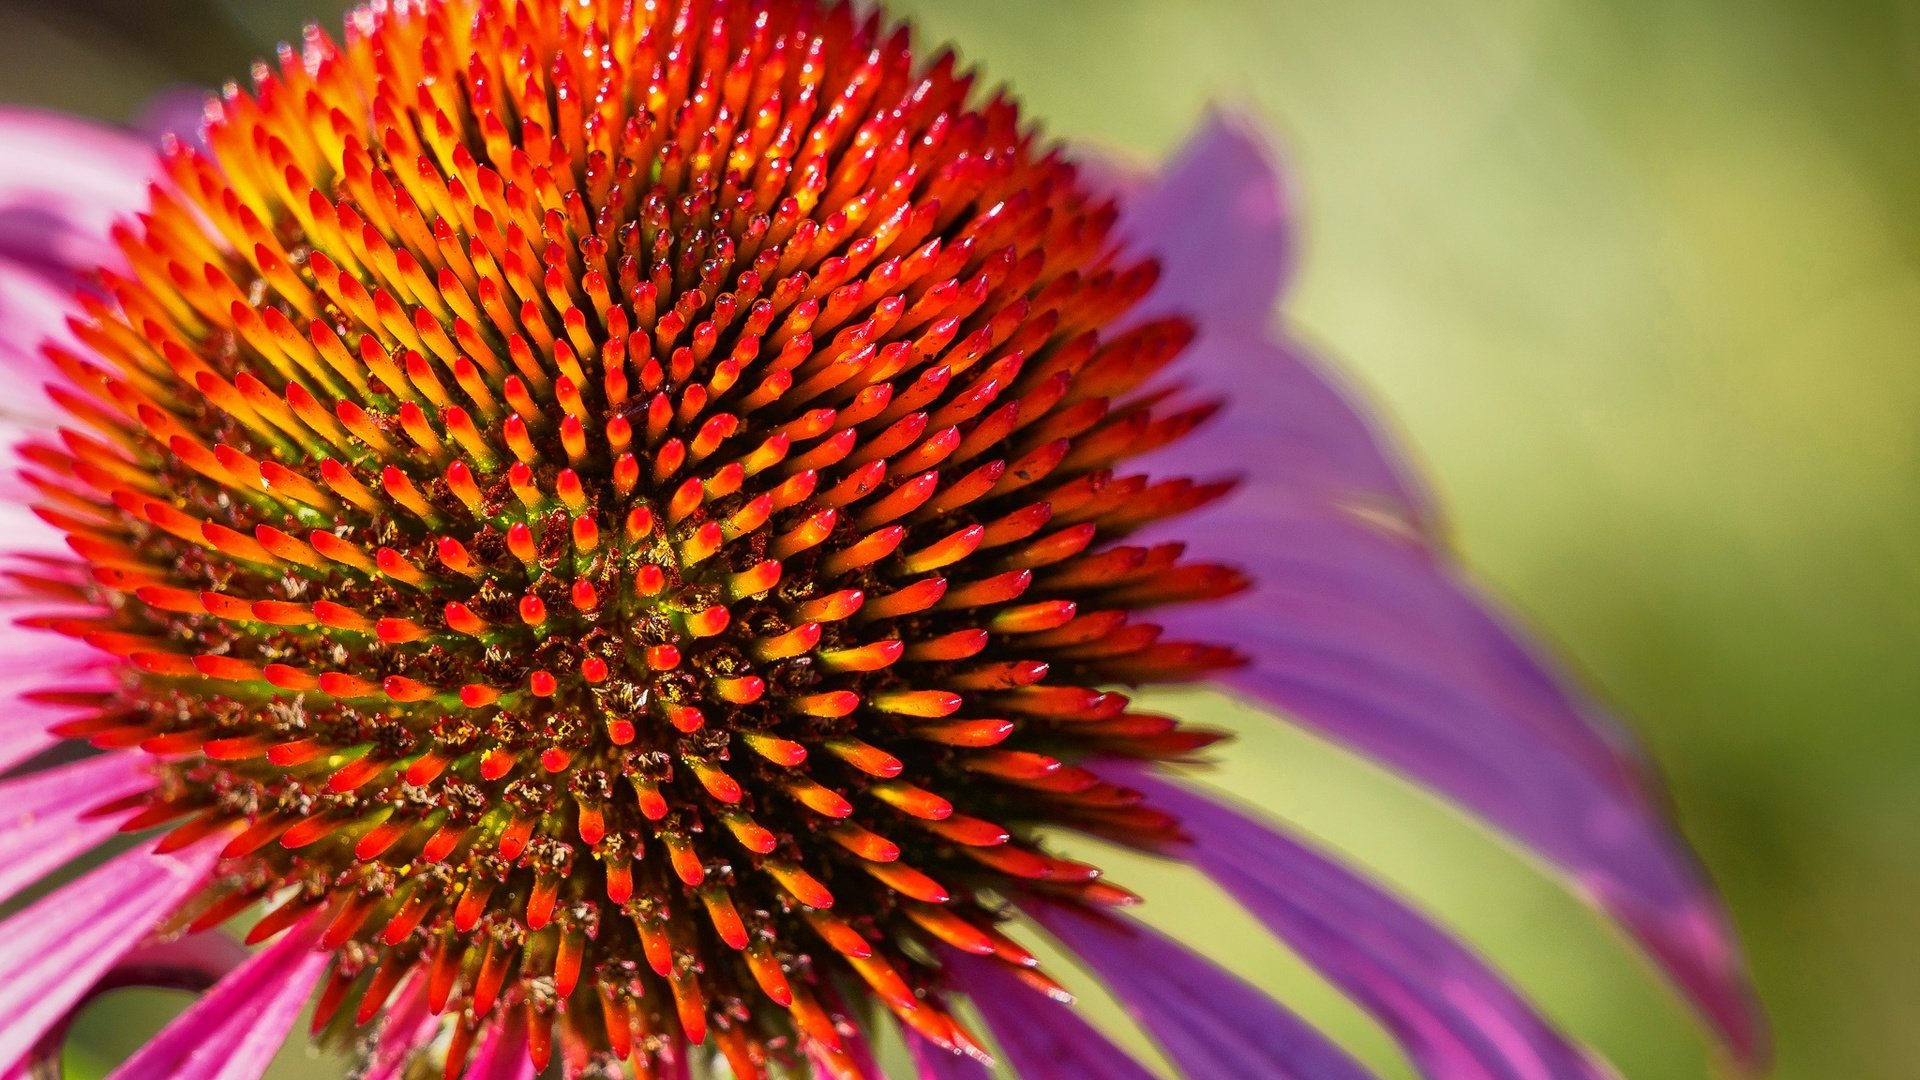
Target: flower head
(615, 526)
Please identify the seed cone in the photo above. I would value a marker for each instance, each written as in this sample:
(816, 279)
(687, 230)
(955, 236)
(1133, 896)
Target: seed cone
(612, 512)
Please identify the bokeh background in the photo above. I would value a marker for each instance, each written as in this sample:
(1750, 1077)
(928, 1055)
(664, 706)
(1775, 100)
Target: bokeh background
(1639, 279)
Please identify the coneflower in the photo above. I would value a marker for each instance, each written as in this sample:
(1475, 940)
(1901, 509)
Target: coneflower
(611, 533)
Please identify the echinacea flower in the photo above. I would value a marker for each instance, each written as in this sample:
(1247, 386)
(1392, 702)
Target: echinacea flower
(613, 533)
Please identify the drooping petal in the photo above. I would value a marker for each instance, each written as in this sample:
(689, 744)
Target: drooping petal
(63, 183)
(234, 1031)
(54, 951)
(1455, 1017)
(1210, 1022)
(1360, 635)
(1311, 440)
(1216, 217)
(43, 815)
(1358, 627)
(1039, 1036)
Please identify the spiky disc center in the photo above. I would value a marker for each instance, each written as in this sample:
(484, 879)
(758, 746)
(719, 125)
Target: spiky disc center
(616, 510)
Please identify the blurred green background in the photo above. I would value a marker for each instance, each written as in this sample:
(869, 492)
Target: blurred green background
(1638, 278)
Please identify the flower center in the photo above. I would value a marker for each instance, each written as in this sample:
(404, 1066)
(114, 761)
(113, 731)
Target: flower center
(613, 512)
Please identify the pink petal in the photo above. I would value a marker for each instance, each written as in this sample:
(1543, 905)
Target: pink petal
(503, 1052)
(24, 723)
(63, 182)
(36, 661)
(33, 309)
(33, 660)
(1454, 1016)
(29, 659)
(407, 1027)
(33, 312)
(1040, 1037)
(191, 963)
(194, 962)
(55, 950)
(177, 111)
(24, 737)
(1209, 1022)
(234, 1031)
(42, 815)
(675, 1063)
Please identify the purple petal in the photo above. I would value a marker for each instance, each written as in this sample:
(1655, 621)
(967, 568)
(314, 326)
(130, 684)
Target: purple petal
(1039, 1036)
(1454, 1016)
(1217, 219)
(1358, 628)
(1288, 431)
(1364, 637)
(55, 950)
(1210, 1023)
(1379, 605)
(63, 182)
(234, 1031)
(42, 815)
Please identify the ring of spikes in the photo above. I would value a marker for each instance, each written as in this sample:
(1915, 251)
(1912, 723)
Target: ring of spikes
(613, 512)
